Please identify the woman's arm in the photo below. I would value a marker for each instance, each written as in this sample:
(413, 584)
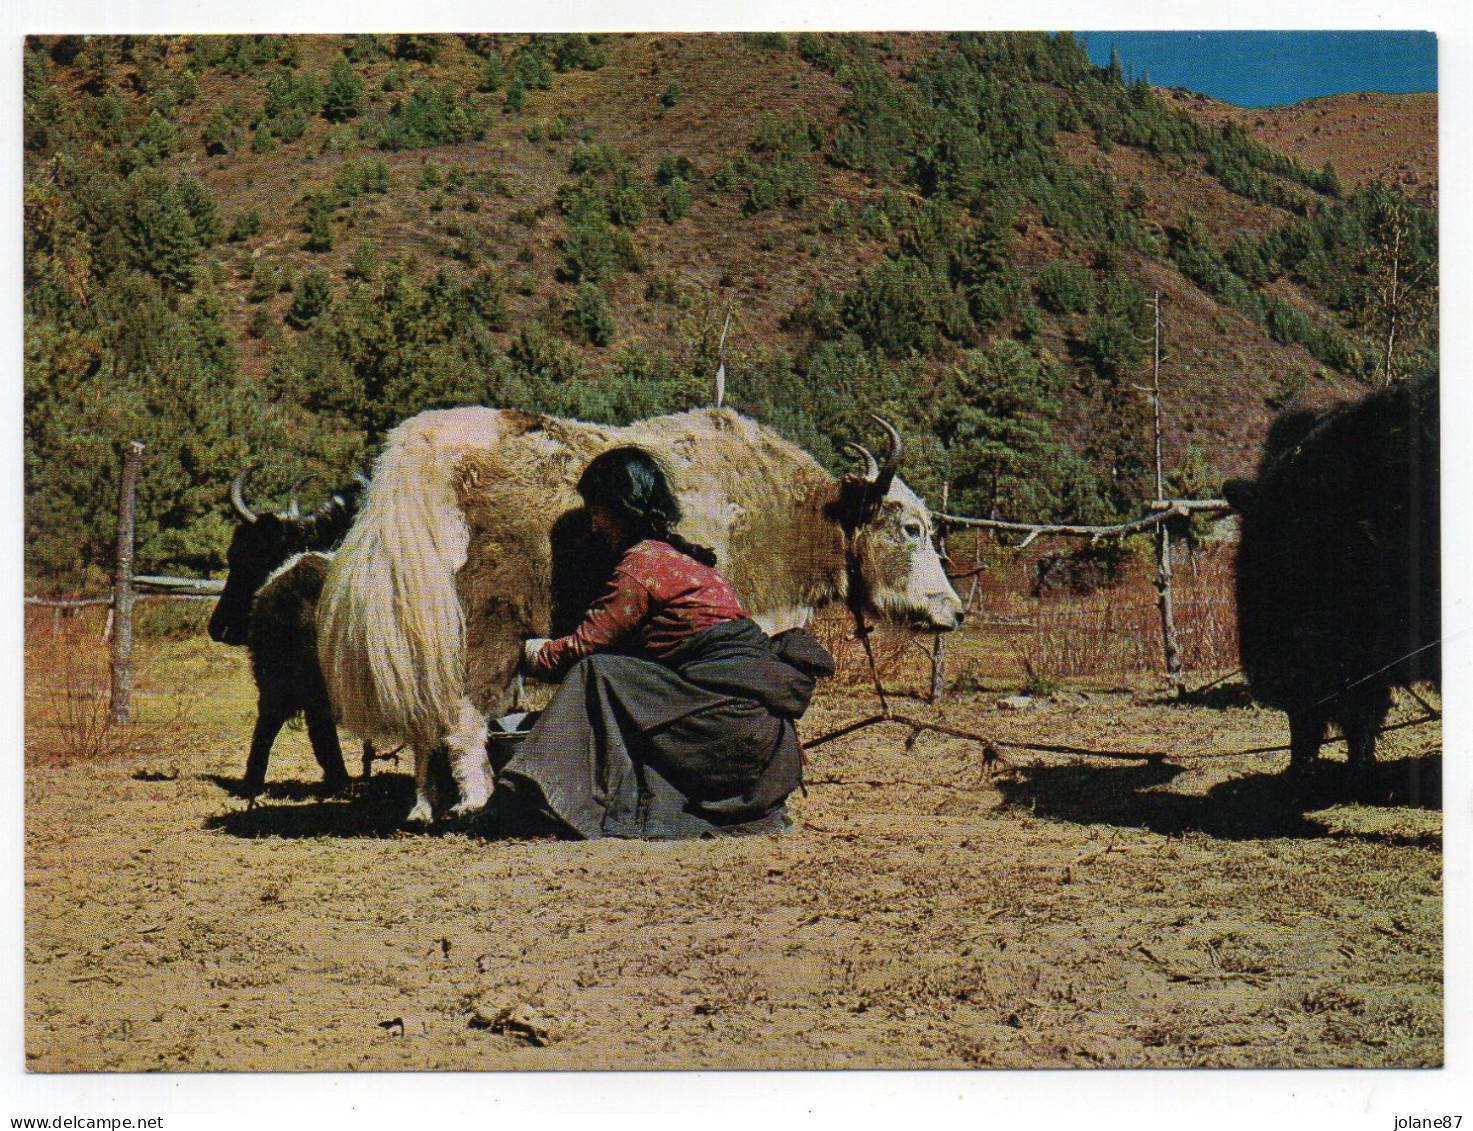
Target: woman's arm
(622, 608)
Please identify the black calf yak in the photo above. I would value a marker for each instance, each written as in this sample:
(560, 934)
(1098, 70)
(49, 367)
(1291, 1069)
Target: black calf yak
(282, 639)
(1338, 577)
(276, 619)
(263, 542)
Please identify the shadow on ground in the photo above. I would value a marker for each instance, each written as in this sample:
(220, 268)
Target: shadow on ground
(295, 809)
(1245, 808)
(374, 807)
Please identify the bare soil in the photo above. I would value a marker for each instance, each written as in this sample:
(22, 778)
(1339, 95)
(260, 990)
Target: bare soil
(1126, 886)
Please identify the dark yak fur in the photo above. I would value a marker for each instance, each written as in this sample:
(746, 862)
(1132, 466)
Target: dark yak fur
(277, 622)
(1338, 573)
(1080, 573)
(283, 644)
(257, 548)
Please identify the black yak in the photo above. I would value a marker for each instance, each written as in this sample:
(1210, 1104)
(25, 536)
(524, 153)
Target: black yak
(274, 614)
(263, 542)
(282, 639)
(1338, 576)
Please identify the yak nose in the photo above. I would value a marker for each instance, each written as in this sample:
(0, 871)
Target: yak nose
(947, 613)
(226, 633)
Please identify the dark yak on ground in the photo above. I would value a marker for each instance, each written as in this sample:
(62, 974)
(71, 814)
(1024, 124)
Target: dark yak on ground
(276, 618)
(283, 644)
(1338, 573)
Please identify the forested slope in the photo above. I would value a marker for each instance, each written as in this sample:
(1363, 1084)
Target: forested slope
(274, 248)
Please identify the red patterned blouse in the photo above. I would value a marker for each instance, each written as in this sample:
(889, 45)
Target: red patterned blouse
(657, 598)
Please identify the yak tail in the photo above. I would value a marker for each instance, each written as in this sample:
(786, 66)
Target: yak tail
(390, 627)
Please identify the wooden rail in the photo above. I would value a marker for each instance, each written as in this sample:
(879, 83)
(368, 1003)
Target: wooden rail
(1164, 510)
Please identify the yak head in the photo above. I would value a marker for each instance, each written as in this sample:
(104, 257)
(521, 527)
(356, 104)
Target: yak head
(1286, 436)
(894, 570)
(264, 542)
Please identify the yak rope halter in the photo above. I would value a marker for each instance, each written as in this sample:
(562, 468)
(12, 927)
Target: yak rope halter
(856, 599)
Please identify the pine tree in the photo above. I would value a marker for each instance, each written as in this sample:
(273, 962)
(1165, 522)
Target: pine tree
(994, 414)
(318, 224)
(1401, 299)
(592, 315)
(344, 96)
(310, 301)
(159, 230)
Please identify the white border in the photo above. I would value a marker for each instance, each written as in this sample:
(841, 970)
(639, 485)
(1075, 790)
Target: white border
(1104, 1099)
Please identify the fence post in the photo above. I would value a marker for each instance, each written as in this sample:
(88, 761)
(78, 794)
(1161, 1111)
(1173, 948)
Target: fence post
(938, 653)
(1164, 602)
(122, 641)
(1167, 606)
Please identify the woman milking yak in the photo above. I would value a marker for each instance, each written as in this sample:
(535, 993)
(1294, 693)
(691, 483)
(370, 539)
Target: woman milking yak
(674, 715)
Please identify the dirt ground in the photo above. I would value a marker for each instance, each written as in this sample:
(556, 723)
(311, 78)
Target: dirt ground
(1158, 907)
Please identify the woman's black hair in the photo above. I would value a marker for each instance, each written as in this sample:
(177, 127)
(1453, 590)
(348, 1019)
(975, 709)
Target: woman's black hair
(630, 482)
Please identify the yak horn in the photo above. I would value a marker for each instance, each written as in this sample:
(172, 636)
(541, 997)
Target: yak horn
(892, 456)
(294, 504)
(872, 467)
(237, 494)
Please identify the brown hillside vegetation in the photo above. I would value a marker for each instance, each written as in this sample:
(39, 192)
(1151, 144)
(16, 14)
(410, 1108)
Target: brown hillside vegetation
(759, 266)
(869, 231)
(1391, 138)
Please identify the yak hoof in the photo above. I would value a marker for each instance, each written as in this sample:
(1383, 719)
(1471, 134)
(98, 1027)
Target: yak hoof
(1361, 785)
(421, 816)
(466, 809)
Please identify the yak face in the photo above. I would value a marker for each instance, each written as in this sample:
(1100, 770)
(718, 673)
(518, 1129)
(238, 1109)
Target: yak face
(263, 542)
(892, 553)
(256, 549)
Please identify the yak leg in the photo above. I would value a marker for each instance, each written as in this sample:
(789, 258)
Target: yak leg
(471, 769)
(1361, 718)
(367, 759)
(469, 764)
(1306, 732)
(425, 791)
(270, 718)
(323, 733)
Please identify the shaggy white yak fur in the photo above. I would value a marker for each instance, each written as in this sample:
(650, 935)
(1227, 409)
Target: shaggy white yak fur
(390, 626)
(392, 631)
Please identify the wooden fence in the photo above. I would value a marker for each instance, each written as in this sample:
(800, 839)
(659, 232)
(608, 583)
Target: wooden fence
(127, 588)
(1161, 513)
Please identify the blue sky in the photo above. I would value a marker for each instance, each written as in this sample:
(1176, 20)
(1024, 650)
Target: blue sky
(1272, 68)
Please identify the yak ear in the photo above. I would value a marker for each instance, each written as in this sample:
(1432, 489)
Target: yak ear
(857, 502)
(1241, 494)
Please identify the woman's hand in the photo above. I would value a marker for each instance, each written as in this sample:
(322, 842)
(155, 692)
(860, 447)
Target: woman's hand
(530, 648)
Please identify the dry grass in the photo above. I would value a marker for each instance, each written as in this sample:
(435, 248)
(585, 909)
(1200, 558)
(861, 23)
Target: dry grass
(69, 715)
(1131, 891)
(1117, 631)
(1011, 640)
(902, 659)
(1159, 907)
(1110, 638)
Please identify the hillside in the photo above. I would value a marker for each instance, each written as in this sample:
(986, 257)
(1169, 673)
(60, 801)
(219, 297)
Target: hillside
(1368, 137)
(247, 247)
